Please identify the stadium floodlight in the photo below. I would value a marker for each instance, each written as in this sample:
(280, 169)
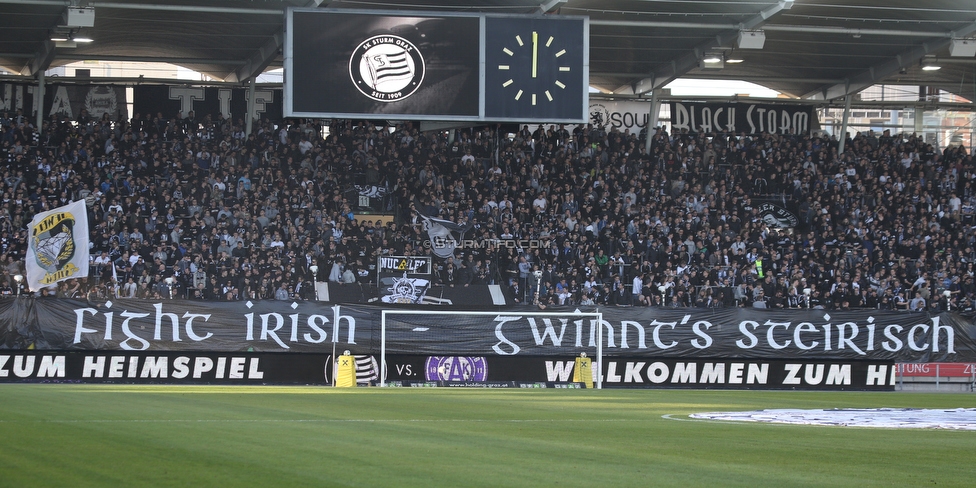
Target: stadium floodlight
(712, 60)
(69, 36)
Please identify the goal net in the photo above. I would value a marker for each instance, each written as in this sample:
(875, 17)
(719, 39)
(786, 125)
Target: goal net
(459, 339)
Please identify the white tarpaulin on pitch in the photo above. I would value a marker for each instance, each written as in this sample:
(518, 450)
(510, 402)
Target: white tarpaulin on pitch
(891, 418)
(57, 247)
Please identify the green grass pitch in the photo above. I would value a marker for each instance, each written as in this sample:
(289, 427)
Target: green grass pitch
(114, 435)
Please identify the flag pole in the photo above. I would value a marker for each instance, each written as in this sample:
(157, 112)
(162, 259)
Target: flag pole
(335, 339)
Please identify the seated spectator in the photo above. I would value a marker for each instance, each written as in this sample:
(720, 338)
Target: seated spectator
(918, 303)
(282, 292)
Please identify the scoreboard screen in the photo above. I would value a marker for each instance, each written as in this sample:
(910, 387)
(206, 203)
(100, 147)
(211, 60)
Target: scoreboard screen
(443, 66)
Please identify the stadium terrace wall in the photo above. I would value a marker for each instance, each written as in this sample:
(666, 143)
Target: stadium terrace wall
(312, 327)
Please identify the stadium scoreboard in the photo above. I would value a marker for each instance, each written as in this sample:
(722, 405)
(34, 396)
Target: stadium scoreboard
(436, 66)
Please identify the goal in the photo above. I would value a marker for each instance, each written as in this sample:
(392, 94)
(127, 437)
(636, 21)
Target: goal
(493, 334)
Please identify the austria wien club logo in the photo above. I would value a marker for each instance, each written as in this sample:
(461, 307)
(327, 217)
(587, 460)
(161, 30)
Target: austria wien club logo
(387, 68)
(456, 368)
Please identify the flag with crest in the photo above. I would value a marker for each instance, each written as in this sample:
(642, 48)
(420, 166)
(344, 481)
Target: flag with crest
(57, 247)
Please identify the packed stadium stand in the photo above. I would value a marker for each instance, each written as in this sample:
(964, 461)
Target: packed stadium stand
(230, 216)
(193, 205)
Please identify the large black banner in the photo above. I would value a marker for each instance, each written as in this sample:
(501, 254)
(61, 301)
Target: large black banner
(311, 327)
(750, 118)
(631, 372)
(97, 100)
(413, 370)
(404, 279)
(17, 96)
(65, 100)
(165, 367)
(231, 102)
(69, 100)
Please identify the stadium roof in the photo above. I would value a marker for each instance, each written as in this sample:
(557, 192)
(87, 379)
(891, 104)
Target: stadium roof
(813, 48)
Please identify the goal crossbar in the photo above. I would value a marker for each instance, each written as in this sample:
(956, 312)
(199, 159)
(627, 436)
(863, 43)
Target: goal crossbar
(594, 315)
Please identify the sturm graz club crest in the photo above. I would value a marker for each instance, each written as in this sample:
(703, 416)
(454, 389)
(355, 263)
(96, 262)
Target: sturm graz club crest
(387, 68)
(456, 368)
(53, 239)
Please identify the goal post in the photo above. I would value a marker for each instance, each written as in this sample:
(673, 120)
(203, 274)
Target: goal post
(475, 324)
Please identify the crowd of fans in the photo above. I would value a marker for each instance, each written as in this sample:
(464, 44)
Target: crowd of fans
(193, 207)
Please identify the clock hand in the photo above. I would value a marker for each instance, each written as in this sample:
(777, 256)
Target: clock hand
(535, 53)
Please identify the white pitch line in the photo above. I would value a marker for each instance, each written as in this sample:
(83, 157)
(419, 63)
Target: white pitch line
(668, 416)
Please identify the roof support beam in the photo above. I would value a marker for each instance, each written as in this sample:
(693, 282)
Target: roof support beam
(666, 73)
(654, 111)
(186, 8)
(663, 25)
(39, 101)
(158, 7)
(811, 29)
(150, 59)
(845, 31)
(51, 3)
(42, 60)
(876, 74)
(843, 127)
(763, 79)
(549, 5)
(249, 119)
(753, 79)
(259, 61)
